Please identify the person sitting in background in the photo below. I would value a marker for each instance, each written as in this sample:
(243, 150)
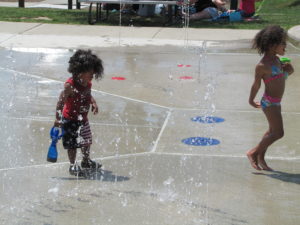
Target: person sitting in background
(129, 8)
(207, 9)
(247, 8)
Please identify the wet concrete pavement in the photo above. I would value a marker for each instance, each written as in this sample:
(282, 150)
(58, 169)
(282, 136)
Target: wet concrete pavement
(150, 176)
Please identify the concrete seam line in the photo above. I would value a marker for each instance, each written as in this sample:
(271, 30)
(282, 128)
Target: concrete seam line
(20, 33)
(66, 162)
(31, 28)
(161, 132)
(156, 33)
(150, 153)
(50, 120)
(104, 93)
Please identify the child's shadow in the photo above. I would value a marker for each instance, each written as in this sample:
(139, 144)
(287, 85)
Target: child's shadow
(107, 176)
(286, 177)
(103, 175)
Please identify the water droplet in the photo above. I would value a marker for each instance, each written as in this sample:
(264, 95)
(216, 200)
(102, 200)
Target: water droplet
(168, 181)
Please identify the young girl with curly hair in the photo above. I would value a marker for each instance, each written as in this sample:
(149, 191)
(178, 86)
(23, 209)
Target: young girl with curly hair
(73, 106)
(270, 42)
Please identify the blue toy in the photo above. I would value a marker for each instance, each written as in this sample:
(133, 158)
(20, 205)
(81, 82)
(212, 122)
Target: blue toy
(52, 151)
(235, 16)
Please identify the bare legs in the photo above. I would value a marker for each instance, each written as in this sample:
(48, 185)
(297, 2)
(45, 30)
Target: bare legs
(200, 15)
(72, 155)
(85, 154)
(261, 157)
(85, 150)
(256, 155)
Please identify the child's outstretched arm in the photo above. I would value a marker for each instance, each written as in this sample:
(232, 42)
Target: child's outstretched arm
(256, 85)
(94, 105)
(61, 102)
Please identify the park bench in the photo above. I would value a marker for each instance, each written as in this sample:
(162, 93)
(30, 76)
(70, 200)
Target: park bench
(95, 16)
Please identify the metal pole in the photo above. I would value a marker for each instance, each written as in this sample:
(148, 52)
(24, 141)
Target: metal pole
(234, 4)
(21, 3)
(77, 4)
(70, 3)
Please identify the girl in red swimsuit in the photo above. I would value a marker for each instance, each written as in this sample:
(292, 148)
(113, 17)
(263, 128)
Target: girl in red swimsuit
(73, 107)
(270, 42)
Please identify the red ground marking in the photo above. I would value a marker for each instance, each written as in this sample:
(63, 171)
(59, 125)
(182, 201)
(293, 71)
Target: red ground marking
(182, 65)
(186, 78)
(118, 78)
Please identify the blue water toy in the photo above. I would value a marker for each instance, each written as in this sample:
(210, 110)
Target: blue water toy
(55, 135)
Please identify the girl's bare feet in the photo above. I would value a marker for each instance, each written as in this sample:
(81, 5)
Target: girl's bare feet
(263, 164)
(253, 160)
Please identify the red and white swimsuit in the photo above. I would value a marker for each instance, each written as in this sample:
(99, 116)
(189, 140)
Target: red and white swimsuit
(76, 108)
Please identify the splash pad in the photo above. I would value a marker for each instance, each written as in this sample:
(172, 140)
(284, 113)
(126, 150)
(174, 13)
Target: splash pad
(150, 176)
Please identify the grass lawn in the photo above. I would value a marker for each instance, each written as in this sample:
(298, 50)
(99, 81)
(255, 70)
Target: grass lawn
(282, 12)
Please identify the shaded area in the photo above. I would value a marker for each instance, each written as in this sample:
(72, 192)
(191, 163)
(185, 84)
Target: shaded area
(283, 176)
(103, 175)
(295, 3)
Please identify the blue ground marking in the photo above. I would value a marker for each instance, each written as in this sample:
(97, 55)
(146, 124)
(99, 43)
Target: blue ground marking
(207, 119)
(200, 141)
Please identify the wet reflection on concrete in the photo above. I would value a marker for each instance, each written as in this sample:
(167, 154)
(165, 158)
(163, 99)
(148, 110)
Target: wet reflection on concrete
(149, 175)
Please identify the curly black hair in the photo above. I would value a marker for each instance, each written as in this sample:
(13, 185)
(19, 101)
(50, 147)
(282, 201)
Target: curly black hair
(85, 61)
(268, 37)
